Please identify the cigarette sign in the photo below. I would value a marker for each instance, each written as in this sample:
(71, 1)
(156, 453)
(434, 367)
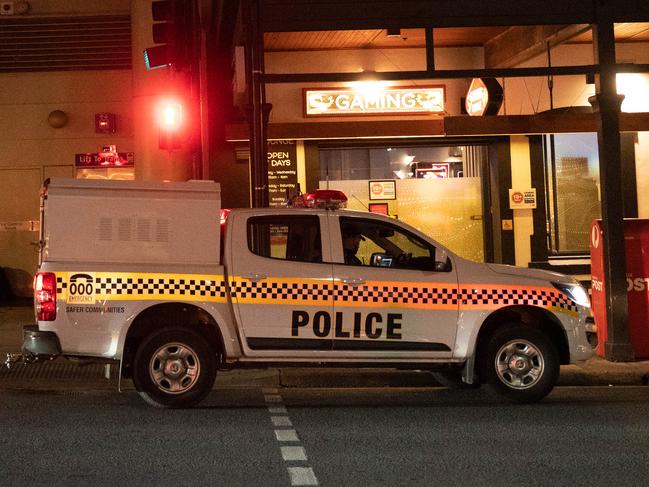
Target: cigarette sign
(383, 190)
(522, 199)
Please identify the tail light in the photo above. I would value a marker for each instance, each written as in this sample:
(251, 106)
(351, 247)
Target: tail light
(45, 296)
(224, 216)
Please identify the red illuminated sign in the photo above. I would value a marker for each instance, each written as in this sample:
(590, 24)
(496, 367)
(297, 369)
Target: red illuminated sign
(381, 208)
(105, 123)
(105, 159)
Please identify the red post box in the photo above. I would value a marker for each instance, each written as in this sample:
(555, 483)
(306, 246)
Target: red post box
(636, 247)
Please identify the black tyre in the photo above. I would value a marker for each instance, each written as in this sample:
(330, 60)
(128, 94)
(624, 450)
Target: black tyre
(453, 380)
(174, 368)
(520, 364)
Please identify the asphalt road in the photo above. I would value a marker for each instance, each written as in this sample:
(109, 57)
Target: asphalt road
(331, 437)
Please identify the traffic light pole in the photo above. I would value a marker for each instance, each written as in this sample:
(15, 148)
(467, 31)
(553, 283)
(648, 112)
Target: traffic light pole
(258, 109)
(607, 103)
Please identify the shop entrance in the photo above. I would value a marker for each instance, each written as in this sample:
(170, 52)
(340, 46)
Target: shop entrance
(435, 186)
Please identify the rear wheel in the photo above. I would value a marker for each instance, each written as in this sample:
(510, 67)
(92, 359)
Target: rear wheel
(520, 363)
(174, 368)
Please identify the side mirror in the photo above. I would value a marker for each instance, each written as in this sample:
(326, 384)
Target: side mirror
(442, 266)
(381, 260)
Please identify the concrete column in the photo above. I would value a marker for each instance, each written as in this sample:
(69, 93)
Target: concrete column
(149, 88)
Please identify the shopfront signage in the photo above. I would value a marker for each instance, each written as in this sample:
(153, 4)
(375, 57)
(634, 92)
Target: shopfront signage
(485, 97)
(282, 171)
(107, 157)
(522, 199)
(383, 190)
(381, 100)
(22, 226)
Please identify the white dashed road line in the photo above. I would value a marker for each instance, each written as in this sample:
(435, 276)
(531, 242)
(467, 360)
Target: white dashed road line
(294, 455)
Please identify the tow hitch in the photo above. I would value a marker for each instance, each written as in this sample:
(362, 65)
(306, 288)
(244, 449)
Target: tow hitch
(38, 346)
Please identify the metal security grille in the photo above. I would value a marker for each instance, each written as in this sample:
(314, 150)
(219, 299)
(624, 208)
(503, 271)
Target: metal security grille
(65, 43)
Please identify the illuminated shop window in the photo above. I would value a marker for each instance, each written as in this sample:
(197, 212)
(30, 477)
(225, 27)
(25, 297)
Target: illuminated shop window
(573, 191)
(437, 189)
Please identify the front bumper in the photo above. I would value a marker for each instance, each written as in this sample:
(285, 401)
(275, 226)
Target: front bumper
(591, 332)
(41, 345)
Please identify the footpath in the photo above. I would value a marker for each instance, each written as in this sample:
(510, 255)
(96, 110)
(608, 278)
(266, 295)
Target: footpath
(63, 376)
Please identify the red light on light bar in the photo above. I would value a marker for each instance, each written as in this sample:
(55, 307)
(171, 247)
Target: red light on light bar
(325, 198)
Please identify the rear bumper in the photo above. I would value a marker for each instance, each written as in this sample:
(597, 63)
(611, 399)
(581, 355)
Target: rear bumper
(40, 344)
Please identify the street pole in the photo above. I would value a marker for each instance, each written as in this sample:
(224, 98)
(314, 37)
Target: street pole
(258, 109)
(607, 103)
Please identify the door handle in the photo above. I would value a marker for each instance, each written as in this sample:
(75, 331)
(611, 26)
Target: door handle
(254, 277)
(352, 282)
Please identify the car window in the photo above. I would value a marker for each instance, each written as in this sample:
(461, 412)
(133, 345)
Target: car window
(294, 238)
(380, 244)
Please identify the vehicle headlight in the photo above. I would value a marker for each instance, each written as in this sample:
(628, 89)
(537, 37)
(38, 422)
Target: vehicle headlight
(575, 292)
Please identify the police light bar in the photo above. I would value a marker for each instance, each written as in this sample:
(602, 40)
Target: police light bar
(330, 199)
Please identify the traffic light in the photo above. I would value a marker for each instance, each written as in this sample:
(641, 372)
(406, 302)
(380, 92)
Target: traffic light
(172, 31)
(171, 123)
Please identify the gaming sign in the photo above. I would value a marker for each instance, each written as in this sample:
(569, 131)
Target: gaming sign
(381, 100)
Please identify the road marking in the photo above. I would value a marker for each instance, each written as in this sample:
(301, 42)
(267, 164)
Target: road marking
(281, 421)
(286, 435)
(302, 476)
(299, 475)
(293, 453)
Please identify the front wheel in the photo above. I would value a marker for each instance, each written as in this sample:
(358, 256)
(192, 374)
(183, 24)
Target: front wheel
(520, 363)
(174, 368)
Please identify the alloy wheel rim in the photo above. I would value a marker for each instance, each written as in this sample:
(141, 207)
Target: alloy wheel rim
(174, 368)
(519, 364)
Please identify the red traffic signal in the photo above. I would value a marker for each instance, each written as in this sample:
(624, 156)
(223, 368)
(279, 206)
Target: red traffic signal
(171, 123)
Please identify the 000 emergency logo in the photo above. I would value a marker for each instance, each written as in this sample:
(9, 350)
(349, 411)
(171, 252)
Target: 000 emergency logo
(81, 289)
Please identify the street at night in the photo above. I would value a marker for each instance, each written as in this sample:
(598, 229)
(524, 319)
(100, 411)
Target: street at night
(329, 437)
(324, 243)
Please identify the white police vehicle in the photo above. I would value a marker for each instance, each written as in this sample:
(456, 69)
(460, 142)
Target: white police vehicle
(142, 273)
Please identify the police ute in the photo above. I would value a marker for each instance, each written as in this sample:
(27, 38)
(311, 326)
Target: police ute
(156, 277)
